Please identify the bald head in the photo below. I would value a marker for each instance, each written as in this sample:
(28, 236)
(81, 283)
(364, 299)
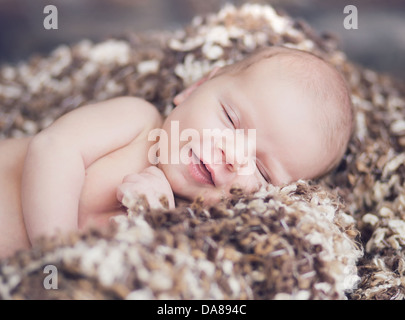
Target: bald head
(320, 81)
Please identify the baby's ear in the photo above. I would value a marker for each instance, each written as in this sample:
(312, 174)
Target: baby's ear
(186, 92)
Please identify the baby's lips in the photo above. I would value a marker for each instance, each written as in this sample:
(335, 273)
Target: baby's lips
(212, 172)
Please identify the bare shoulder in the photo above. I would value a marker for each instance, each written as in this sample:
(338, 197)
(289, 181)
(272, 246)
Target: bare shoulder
(139, 108)
(133, 102)
(100, 128)
(12, 150)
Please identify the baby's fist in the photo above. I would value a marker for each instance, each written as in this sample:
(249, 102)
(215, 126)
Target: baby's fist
(150, 182)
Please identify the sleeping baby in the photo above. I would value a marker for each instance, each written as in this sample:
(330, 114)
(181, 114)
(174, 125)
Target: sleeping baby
(287, 113)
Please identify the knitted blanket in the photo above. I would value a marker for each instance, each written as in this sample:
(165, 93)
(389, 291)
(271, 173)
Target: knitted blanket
(339, 237)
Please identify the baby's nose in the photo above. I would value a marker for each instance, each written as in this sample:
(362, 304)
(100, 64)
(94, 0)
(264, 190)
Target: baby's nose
(234, 158)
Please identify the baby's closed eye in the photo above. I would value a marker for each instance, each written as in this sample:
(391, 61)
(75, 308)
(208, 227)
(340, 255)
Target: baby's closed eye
(262, 171)
(231, 116)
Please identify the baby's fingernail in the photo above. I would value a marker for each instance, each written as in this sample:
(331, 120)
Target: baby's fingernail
(128, 200)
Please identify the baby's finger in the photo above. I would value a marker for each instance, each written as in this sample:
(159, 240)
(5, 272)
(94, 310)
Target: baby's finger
(144, 174)
(125, 190)
(153, 170)
(133, 177)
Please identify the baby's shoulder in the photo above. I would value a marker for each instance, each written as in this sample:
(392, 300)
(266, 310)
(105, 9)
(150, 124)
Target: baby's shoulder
(141, 106)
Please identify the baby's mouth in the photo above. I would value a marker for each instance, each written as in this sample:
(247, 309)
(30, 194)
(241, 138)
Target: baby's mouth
(198, 170)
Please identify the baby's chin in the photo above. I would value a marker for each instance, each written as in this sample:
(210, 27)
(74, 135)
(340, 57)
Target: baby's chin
(209, 197)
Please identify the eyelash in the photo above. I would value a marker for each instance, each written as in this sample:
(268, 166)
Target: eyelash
(229, 117)
(234, 125)
(263, 175)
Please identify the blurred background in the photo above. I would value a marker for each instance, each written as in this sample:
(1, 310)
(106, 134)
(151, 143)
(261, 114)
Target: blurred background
(378, 43)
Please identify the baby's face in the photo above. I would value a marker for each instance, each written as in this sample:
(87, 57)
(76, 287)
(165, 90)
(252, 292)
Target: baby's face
(284, 145)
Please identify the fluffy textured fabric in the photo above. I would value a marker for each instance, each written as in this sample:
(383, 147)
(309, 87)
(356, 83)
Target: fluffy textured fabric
(335, 238)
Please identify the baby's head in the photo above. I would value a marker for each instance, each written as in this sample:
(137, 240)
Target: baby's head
(297, 104)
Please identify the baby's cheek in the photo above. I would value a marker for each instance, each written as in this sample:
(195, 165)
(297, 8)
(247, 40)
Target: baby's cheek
(248, 183)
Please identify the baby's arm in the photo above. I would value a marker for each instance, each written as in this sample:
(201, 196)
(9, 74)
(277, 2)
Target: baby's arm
(57, 159)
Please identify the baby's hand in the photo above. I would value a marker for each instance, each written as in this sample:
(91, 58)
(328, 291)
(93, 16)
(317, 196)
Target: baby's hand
(150, 182)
